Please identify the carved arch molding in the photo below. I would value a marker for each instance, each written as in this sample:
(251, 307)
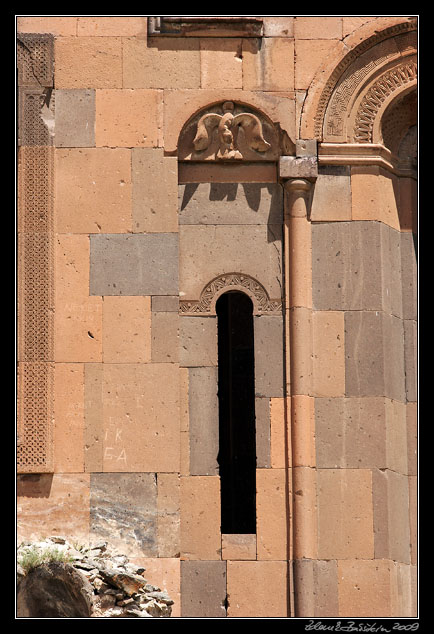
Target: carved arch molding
(368, 79)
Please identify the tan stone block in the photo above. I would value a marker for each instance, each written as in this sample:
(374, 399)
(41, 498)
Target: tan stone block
(364, 588)
(239, 547)
(226, 173)
(317, 27)
(165, 327)
(351, 23)
(375, 195)
(331, 199)
(185, 453)
(155, 208)
(168, 509)
(396, 436)
(412, 421)
(57, 25)
(88, 62)
(93, 417)
(328, 348)
(413, 512)
(69, 418)
(345, 515)
(221, 63)
(272, 521)
(180, 105)
(303, 431)
(78, 317)
(278, 26)
(200, 518)
(141, 417)
(280, 418)
(305, 539)
(126, 329)
(165, 574)
(268, 64)
(127, 118)
(112, 26)
(93, 190)
(50, 504)
(257, 589)
(309, 56)
(401, 599)
(165, 64)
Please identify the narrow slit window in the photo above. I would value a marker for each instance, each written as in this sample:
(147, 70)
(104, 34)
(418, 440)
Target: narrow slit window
(236, 393)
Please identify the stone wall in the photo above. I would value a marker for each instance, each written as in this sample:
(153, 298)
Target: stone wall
(137, 233)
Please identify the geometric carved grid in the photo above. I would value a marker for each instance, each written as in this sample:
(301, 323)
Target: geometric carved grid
(35, 257)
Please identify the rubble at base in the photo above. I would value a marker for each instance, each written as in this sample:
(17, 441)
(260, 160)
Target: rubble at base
(115, 587)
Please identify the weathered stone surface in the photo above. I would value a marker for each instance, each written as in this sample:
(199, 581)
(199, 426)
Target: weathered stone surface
(88, 62)
(268, 64)
(141, 417)
(221, 63)
(54, 590)
(69, 418)
(375, 195)
(313, 27)
(128, 118)
(269, 347)
(317, 585)
(263, 431)
(331, 200)
(208, 251)
(203, 589)
(105, 26)
(345, 516)
(409, 275)
(374, 369)
(145, 264)
(272, 511)
(328, 350)
(93, 417)
(310, 54)
(165, 304)
(52, 504)
(93, 190)
(258, 589)
(165, 341)
(250, 203)
(298, 167)
(123, 511)
(391, 265)
(200, 518)
(198, 341)
(168, 507)
(364, 588)
(127, 329)
(155, 208)
(411, 362)
(203, 420)
(350, 432)
(346, 266)
(239, 547)
(75, 118)
(391, 516)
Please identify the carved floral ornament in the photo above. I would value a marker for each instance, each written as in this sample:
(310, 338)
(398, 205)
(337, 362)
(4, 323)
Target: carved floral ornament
(231, 132)
(262, 303)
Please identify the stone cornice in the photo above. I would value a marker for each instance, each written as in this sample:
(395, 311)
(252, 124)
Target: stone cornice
(368, 154)
(211, 26)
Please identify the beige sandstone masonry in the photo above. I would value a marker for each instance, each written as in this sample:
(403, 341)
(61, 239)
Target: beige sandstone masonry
(163, 162)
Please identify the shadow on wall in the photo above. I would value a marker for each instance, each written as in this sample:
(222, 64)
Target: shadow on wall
(34, 485)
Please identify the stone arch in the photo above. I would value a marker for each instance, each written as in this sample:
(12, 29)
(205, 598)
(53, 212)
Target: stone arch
(374, 61)
(211, 292)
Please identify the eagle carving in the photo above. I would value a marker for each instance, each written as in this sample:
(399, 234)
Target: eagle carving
(228, 127)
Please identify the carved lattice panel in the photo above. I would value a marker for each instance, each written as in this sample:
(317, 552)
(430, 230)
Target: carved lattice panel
(35, 255)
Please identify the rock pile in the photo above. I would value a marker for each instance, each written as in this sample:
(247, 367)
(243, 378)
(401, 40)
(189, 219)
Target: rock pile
(111, 585)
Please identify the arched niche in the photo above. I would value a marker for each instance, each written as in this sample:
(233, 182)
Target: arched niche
(355, 81)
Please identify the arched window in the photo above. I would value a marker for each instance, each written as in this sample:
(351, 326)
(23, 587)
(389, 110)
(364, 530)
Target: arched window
(236, 394)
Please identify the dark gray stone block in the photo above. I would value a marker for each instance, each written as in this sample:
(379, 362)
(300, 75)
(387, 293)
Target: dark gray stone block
(203, 589)
(75, 118)
(269, 355)
(139, 264)
(204, 421)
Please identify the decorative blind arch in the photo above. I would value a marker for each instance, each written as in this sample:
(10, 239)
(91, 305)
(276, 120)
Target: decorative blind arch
(205, 305)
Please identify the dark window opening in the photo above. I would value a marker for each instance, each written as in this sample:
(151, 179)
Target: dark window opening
(236, 392)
